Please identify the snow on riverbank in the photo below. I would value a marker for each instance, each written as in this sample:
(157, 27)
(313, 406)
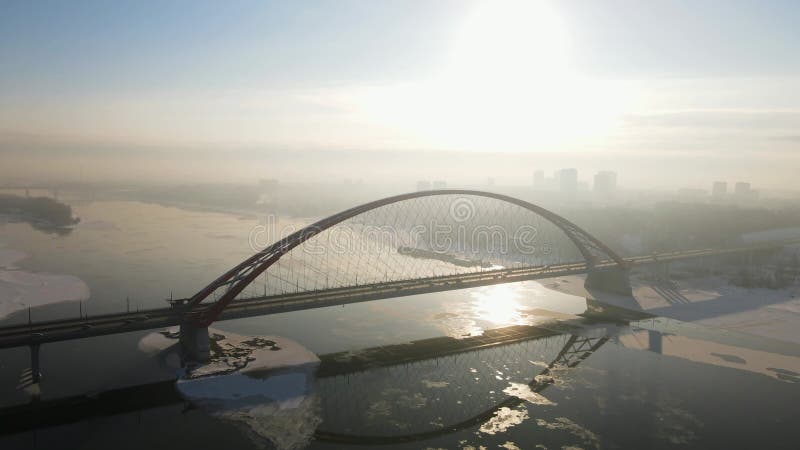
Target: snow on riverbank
(263, 384)
(707, 300)
(20, 289)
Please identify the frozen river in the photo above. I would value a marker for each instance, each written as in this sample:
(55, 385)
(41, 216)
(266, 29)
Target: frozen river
(651, 383)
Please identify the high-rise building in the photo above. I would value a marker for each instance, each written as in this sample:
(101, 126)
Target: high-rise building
(423, 185)
(719, 190)
(439, 184)
(567, 180)
(605, 182)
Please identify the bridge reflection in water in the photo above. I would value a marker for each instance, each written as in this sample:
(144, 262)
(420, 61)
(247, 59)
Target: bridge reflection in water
(532, 385)
(575, 382)
(431, 398)
(382, 395)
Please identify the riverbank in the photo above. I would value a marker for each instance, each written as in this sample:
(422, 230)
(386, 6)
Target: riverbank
(41, 212)
(707, 300)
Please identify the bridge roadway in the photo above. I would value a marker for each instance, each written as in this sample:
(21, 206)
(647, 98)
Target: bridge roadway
(100, 325)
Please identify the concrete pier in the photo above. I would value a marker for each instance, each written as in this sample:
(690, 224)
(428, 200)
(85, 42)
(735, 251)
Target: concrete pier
(612, 280)
(195, 342)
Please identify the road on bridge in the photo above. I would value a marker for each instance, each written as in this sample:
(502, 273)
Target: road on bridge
(79, 328)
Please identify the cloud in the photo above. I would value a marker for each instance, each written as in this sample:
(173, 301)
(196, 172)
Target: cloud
(718, 118)
(790, 138)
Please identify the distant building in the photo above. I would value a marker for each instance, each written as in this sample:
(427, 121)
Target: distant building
(743, 192)
(439, 184)
(741, 188)
(567, 180)
(490, 181)
(719, 190)
(423, 185)
(605, 182)
(538, 180)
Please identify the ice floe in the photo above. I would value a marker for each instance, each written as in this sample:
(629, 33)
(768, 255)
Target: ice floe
(262, 384)
(20, 289)
(504, 419)
(524, 392)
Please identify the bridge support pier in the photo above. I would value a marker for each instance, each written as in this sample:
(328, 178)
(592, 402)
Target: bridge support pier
(195, 342)
(654, 341)
(612, 280)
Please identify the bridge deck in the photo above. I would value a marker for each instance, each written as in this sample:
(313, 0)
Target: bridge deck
(60, 330)
(79, 328)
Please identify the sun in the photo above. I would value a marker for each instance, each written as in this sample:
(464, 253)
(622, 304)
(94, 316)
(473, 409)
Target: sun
(507, 84)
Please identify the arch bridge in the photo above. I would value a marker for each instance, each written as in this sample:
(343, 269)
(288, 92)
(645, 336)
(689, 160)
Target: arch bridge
(402, 245)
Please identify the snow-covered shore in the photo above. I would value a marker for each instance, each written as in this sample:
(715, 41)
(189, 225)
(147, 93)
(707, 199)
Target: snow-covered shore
(262, 384)
(707, 300)
(20, 289)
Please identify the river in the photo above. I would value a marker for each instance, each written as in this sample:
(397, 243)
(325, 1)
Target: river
(626, 393)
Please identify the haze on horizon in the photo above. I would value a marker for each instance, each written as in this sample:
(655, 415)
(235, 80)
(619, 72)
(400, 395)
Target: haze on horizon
(668, 93)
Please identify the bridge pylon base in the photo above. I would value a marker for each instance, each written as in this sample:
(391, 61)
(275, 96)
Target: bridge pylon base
(195, 342)
(612, 280)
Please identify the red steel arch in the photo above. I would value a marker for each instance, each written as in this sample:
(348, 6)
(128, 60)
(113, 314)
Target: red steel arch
(239, 277)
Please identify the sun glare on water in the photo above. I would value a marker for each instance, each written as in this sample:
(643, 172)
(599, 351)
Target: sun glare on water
(498, 304)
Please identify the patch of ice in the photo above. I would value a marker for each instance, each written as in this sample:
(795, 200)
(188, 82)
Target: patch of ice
(231, 352)
(563, 423)
(504, 419)
(435, 384)
(381, 408)
(262, 384)
(20, 290)
(286, 425)
(524, 392)
(236, 387)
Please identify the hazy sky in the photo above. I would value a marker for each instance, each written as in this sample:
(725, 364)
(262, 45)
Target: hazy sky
(595, 81)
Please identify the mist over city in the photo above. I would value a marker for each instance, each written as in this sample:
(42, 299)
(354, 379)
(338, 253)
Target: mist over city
(412, 224)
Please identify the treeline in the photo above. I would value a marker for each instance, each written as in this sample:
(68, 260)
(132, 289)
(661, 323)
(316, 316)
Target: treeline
(230, 196)
(783, 273)
(296, 200)
(44, 209)
(699, 225)
(672, 226)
